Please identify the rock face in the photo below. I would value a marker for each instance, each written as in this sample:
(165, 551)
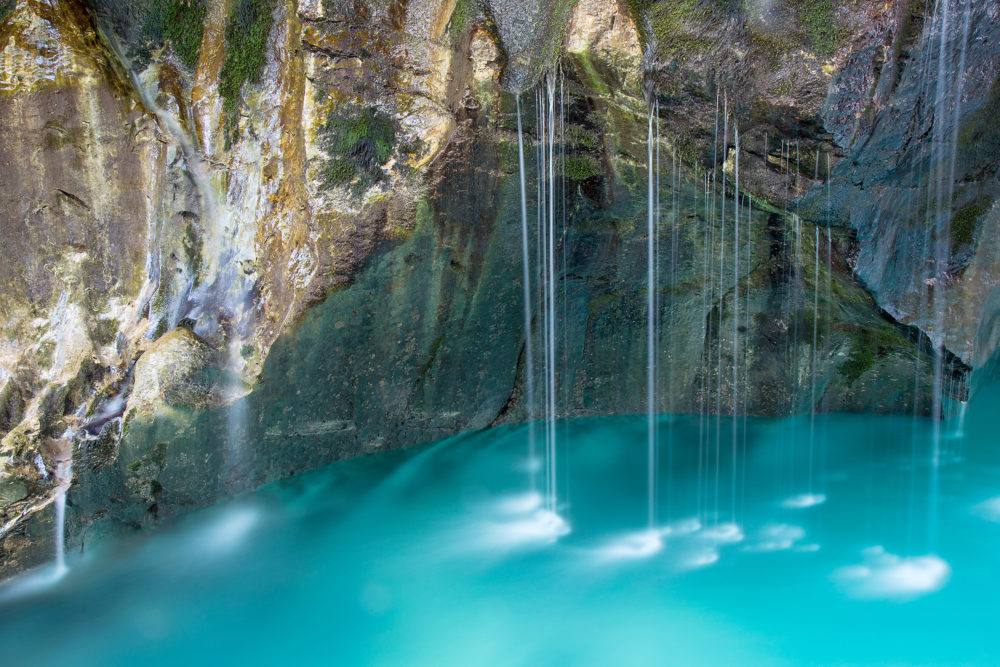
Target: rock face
(249, 238)
(917, 184)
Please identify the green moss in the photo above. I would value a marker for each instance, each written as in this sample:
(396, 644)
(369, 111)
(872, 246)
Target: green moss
(963, 225)
(589, 73)
(580, 168)
(805, 320)
(509, 159)
(859, 361)
(128, 421)
(979, 135)
(668, 20)
(818, 22)
(7, 7)
(161, 328)
(769, 47)
(582, 137)
(247, 29)
(180, 23)
(465, 11)
(358, 143)
(867, 345)
(105, 331)
(638, 10)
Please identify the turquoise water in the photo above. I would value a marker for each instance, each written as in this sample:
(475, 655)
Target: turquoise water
(441, 555)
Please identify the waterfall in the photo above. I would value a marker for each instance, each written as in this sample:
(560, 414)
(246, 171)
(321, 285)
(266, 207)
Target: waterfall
(812, 403)
(736, 305)
(64, 476)
(60, 532)
(651, 286)
(550, 365)
(722, 282)
(746, 341)
(529, 362)
(547, 271)
(704, 338)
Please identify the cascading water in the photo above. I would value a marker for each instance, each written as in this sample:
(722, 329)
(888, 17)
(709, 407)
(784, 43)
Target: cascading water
(814, 359)
(550, 292)
(736, 310)
(63, 456)
(63, 475)
(652, 202)
(538, 517)
(529, 361)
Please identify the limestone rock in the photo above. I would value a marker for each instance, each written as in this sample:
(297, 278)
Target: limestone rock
(12, 489)
(602, 29)
(173, 371)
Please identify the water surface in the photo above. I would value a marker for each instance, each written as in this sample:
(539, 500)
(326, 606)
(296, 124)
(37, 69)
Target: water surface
(444, 555)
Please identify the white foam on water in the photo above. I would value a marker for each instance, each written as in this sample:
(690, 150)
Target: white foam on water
(700, 559)
(724, 533)
(32, 583)
(539, 528)
(682, 527)
(989, 510)
(229, 530)
(777, 537)
(520, 504)
(883, 575)
(631, 546)
(803, 501)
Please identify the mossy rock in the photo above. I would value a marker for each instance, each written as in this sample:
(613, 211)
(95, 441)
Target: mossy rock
(358, 142)
(247, 30)
(979, 135)
(867, 345)
(817, 20)
(963, 224)
(181, 24)
(580, 168)
(7, 8)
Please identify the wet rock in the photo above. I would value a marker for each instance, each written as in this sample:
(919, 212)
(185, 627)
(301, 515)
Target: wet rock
(174, 372)
(12, 489)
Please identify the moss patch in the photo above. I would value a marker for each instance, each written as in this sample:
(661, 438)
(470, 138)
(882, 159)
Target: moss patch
(358, 143)
(580, 168)
(6, 8)
(979, 135)
(668, 20)
(867, 345)
(963, 225)
(247, 29)
(817, 19)
(465, 11)
(179, 23)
